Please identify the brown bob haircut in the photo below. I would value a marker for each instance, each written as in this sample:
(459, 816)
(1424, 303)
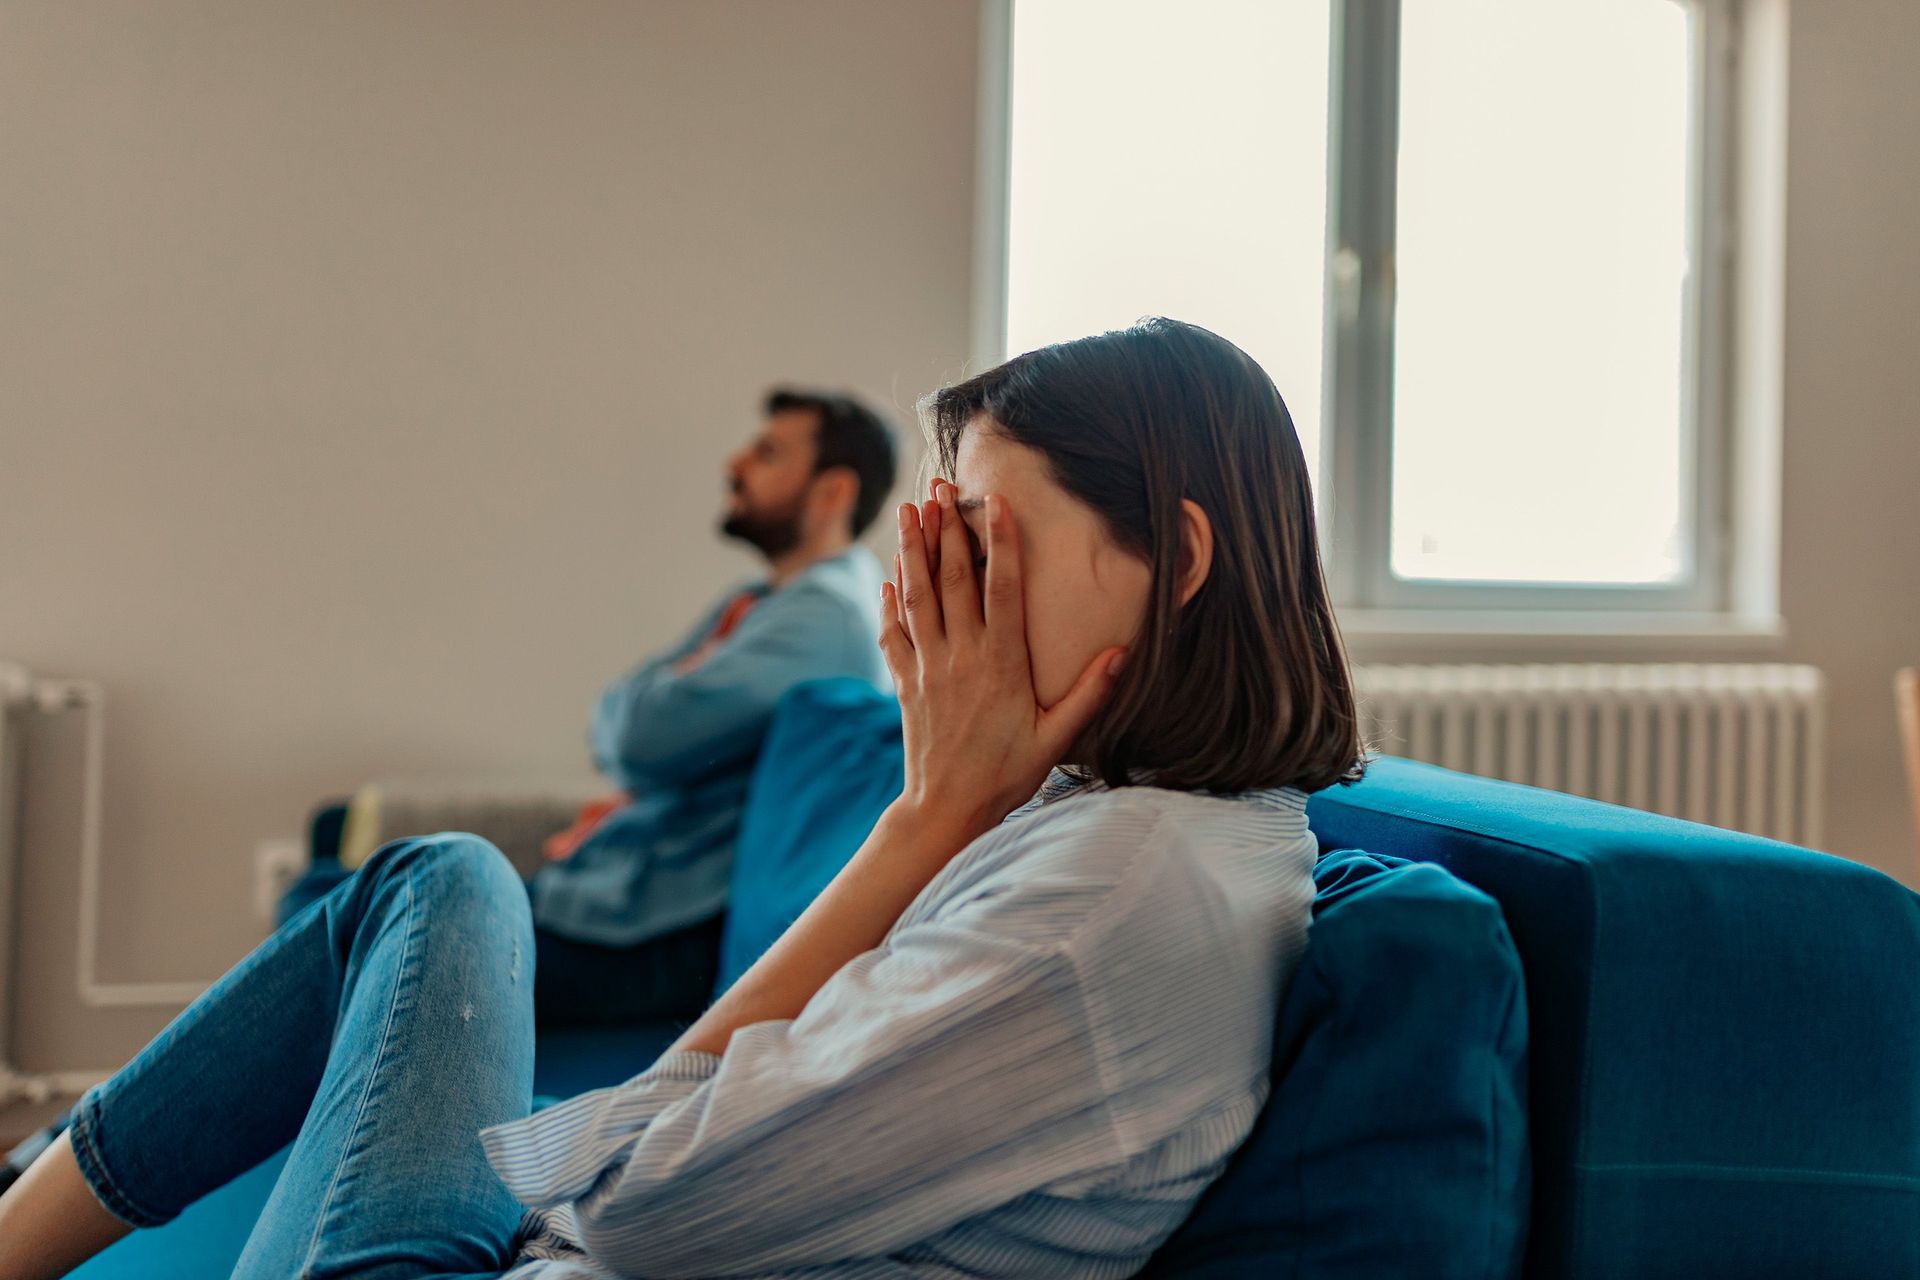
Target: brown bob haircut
(1245, 686)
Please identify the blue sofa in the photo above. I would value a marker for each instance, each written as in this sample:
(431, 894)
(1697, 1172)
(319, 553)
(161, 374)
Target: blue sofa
(1574, 1041)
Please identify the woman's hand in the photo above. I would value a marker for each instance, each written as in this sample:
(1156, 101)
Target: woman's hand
(977, 746)
(977, 743)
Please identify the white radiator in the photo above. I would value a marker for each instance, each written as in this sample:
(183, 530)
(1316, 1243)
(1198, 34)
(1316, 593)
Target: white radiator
(1733, 745)
(16, 697)
(23, 694)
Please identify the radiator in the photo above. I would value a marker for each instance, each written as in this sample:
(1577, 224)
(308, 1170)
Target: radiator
(16, 690)
(23, 694)
(1734, 745)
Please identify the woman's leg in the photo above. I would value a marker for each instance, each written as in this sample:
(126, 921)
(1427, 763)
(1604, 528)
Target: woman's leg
(50, 1221)
(434, 1043)
(384, 1027)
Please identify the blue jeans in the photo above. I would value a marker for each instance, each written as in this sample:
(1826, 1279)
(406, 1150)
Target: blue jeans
(583, 984)
(378, 1031)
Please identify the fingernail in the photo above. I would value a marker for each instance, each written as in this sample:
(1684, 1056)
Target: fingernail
(1118, 661)
(946, 495)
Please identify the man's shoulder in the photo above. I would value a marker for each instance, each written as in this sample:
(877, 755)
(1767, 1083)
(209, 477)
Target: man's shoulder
(832, 600)
(854, 574)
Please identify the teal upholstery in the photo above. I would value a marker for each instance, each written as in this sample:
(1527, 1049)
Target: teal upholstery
(1725, 1060)
(830, 764)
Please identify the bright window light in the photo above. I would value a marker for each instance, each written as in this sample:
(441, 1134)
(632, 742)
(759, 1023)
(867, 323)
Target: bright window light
(1541, 431)
(1171, 159)
(1524, 363)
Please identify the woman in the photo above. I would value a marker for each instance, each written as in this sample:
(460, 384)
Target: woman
(1017, 1036)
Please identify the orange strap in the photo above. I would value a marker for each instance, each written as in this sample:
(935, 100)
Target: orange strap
(561, 844)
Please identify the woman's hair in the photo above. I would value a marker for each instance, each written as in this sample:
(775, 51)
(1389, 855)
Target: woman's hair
(1246, 685)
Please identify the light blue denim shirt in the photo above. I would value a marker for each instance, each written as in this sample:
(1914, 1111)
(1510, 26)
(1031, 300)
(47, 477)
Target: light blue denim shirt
(1050, 1056)
(684, 744)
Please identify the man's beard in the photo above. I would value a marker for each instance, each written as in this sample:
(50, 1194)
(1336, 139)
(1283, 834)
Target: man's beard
(773, 534)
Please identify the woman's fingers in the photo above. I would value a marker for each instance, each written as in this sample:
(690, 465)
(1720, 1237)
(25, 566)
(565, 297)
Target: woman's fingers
(917, 596)
(1003, 599)
(1061, 723)
(959, 596)
(930, 522)
(899, 605)
(894, 645)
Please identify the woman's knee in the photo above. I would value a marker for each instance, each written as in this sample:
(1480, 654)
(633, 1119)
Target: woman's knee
(453, 863)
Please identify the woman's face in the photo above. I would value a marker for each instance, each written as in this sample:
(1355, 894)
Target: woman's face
(1083, 592)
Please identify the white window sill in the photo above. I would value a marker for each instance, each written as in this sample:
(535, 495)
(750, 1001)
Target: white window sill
(1368, 631)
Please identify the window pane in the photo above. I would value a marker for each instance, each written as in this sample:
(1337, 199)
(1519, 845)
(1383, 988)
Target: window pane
(1171, 159)
(1540, 429)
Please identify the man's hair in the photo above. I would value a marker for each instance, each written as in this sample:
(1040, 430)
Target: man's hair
(850, 435)
(1246, 685)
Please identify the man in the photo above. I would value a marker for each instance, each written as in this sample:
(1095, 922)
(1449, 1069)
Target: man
(628, 921)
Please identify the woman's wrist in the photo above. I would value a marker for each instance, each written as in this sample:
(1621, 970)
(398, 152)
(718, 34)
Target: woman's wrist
(935, 822)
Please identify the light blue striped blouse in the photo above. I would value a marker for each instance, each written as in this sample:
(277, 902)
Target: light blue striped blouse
(1037, 1072)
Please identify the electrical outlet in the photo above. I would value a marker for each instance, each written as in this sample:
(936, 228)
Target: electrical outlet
(277, 863)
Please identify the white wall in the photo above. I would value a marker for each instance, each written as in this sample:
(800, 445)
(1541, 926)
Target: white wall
(365, 373)
(363, 367)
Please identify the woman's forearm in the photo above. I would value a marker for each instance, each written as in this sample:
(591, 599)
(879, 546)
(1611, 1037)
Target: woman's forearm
(907, 848)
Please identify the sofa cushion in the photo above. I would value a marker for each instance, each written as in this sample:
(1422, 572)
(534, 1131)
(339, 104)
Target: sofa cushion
(829, 767)
(1724, 1032)
(1394, 1141)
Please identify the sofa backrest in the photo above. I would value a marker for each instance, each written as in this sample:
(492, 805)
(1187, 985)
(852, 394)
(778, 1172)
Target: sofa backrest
(829, 766)
(1725, 1031)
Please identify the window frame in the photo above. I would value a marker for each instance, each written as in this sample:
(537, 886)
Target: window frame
(1355, 469)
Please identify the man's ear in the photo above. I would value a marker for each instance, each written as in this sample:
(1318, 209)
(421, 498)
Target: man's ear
(835, 491)
(1196, 548)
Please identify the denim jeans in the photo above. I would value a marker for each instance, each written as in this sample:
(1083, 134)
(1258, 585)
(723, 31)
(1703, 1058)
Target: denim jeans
(580, 984)
(378, 1031)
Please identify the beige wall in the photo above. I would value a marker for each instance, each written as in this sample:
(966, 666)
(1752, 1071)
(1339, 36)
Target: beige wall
(365, 373)
(1850, 572)
(363, 368)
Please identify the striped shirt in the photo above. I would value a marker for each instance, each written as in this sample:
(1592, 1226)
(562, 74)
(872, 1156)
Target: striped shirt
(1048, 1058)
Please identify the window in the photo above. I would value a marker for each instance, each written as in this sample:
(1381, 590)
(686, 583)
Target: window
(1479, 244)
